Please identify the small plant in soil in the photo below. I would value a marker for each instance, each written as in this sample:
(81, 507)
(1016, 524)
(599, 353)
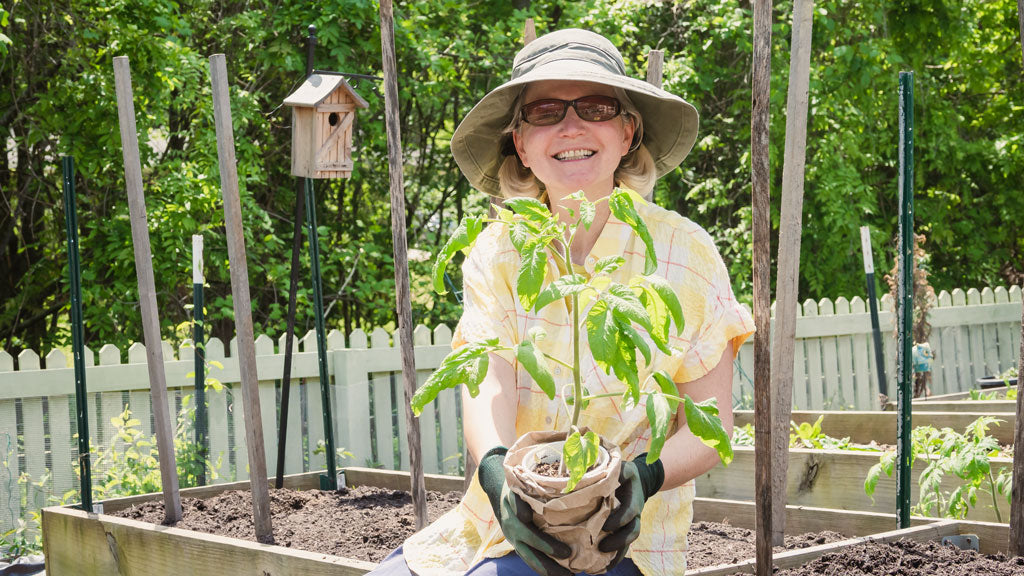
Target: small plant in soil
(803, 435)
(966, 456)
(606, 315)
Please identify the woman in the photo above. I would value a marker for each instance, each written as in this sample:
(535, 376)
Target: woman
(571, 120)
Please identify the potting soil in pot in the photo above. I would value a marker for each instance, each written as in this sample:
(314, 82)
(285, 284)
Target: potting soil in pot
(908, 558)
(363, 523)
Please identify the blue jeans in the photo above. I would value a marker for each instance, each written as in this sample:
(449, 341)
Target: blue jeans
(508, 565)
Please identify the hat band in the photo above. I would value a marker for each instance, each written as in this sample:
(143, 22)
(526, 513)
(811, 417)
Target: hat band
(575, 51)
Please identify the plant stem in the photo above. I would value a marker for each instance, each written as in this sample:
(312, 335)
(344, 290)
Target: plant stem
(577, 383)
(557, 361)
(992, 491)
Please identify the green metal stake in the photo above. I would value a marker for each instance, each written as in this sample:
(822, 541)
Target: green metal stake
(77, 331)
(198, 338)
(330, 481)
(905, 297)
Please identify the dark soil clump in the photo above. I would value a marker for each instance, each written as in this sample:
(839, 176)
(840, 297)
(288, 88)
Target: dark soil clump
(362, 523)
(714, 543)
(908, 558)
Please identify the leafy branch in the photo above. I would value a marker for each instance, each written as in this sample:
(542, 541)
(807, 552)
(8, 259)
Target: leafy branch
(620, 320)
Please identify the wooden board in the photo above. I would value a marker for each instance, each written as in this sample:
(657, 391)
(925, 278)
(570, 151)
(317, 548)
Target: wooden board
(974, 406)
(89, 544)
(863, 427)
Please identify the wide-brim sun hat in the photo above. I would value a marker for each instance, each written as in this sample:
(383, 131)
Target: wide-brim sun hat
(479, 143)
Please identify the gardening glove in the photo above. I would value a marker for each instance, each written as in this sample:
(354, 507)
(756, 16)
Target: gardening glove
(638, 481)
(516, 519)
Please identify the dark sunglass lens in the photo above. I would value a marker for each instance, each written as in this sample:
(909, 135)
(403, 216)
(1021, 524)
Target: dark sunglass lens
(597, 108)
(544, 112)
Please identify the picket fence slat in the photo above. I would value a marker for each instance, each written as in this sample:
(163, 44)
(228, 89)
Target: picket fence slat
(989, 336)
(217, 415)
(10, 471)
(240, 453)
(817, 392)
(861, 373)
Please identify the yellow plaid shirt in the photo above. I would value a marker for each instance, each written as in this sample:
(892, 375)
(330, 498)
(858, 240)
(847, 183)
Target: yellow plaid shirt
(688, 259)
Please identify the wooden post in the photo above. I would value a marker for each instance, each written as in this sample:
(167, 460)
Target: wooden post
(655, 65)
(529, 32)
(1017, 492)
(147, 289)
(760, 184)
(403, 302)
(787, 277)
(240, 296)
(1020, 17)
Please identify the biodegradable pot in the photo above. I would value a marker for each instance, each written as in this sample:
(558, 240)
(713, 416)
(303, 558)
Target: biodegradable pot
(575, 518)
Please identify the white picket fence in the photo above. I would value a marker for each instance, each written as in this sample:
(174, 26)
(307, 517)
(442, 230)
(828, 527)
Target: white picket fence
(974, 334)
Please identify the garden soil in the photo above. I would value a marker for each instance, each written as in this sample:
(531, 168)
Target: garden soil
(367, 523)
(907, 558)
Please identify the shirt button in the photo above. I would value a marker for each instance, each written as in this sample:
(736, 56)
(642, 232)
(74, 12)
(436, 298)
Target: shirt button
(558, 371)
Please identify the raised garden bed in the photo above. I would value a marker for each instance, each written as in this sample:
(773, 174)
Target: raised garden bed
(81, 543)
(831, 479)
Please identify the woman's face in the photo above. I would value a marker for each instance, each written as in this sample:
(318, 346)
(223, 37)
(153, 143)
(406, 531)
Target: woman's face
(573, 154)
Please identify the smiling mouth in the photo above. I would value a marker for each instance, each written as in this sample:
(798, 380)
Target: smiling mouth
(578, 154)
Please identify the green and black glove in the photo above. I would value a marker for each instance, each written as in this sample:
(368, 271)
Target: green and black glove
(638, 481)
(516, 519)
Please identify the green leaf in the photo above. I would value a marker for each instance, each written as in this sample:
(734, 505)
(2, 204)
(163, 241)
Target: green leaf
(609, 264)
(658, 313)
(601, 334)
(658, 414)
(537, 366)
(562, 287)
(871, 482)
(621, 205)
(466, 365)
(464, 237)
(519, 233)
(532, 268)
(626, 305)
(530, 208)
(668, 386)
(579, 453)
(633, 337)
(670, 298)
(702, 419)
(587, 211)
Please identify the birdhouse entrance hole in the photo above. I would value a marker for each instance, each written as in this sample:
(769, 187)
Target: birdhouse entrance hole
(333, 119)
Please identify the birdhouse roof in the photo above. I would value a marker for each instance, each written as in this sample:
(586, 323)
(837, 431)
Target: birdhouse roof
(318, 87)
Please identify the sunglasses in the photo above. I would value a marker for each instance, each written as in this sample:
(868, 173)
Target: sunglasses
(551, 111)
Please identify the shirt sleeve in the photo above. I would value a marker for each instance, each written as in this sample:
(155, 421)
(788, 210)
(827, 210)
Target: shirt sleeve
(488, 296)
(713, 316)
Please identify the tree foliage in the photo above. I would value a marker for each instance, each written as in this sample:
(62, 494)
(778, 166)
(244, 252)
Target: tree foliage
(58, 99)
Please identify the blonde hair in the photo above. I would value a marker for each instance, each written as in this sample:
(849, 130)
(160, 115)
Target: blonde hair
(636, 169)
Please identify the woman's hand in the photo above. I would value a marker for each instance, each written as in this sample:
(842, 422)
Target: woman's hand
(638, 481)
(516, 519)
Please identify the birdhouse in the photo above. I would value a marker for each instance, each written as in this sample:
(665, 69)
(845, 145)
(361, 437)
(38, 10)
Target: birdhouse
(323, 114)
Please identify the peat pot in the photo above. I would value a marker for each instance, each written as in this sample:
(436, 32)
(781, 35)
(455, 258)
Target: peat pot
(575, 518)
